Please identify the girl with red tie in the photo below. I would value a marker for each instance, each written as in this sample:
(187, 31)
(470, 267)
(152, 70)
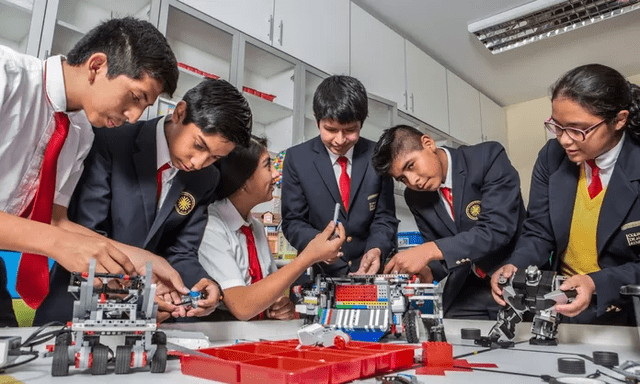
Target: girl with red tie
(584, 206)
(234, 249)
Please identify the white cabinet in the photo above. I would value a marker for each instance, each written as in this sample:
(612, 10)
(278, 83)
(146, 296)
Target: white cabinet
(426, 88)
(377, 57)
(464, 110)
(21, 24)
(316, 32)
(493, 121)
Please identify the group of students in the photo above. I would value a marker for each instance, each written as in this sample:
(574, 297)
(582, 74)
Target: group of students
(150, 191)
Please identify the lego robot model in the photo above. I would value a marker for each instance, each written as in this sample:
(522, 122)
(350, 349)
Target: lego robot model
(368, 307)
(529, 290)
(128, 311)
(316, 334)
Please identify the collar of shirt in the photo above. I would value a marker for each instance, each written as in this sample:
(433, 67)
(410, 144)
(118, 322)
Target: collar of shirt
(54, 85)
(163, 155)
(448, 182)
(606, 162)
(230, 215)
(334, 157)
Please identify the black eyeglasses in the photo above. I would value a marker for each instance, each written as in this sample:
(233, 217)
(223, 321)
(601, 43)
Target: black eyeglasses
(574, 133)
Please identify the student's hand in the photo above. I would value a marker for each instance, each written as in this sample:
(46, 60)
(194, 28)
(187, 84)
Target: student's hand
(166, 278)
(282, 309)
(326, 246)
(370, 263)
(166, 309)
(209, 304)
(507, 271)
(425, 276)
(585, 287)
(413, 260)
(74, 250)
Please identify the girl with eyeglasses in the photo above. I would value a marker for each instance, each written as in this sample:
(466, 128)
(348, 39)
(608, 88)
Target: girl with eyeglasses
(584, 206)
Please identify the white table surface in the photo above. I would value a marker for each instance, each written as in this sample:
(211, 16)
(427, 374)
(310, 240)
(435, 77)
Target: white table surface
(523, 358)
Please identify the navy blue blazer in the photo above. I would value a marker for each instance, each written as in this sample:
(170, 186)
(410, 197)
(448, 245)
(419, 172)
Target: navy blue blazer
(116, 197)
(546, 231)
(310, 192)
(488, 212)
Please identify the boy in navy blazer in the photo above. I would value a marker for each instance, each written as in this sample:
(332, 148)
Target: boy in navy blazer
(468, 207)
(335, 167)
(148, 185)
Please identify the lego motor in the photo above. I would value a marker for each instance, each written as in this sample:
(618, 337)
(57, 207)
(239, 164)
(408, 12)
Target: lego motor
(529, 290)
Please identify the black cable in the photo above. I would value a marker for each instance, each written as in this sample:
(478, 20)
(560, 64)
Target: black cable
(543, 377)
(34, 355)
(477, 352)
(598, 373)
(35, 338)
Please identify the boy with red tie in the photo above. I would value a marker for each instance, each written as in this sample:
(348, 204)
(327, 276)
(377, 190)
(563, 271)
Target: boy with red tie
(47, 108)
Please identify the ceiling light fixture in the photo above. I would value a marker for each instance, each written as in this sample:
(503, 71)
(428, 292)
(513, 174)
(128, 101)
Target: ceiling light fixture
(541, 19)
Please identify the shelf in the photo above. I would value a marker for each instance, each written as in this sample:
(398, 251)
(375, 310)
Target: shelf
(15, 20)
(129, 7)
(266, 112)
(263, 63)
(25, 6)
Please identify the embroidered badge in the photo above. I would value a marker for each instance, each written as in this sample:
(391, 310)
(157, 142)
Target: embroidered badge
(185, 203)
(631, 224)
(633, 238)
(473, 210)
(373, 201)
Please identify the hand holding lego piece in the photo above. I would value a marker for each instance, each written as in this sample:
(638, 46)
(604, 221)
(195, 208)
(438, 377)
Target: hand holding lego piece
(282, 309)
(203, 298)
(326, 245)
(583, 288)
(506, 271)
(413, 260)
(370, 263)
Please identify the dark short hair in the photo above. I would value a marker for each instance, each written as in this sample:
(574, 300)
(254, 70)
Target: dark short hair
(238, 166)
(341, 98)
(216, 106)
(394, 142)
(133, 48)
(603, 92)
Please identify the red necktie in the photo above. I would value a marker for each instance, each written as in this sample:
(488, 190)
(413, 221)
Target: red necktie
(345, 182)
(32, 282)
(255, 271)
(162, 168)
(446, 192)
(596, 184)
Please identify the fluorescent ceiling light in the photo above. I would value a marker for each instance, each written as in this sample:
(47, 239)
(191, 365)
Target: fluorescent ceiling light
(541, 19)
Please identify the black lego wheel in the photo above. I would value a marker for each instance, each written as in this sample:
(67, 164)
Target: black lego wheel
(159, 338)
(411, 326)
(308, 319)
(63, 338)
(123, 359)
(100, 359)
(159, 360)
(60, 364)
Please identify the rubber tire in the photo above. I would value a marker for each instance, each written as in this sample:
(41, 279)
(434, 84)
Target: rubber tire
(123, 359)
(60, 364)
(63, 338)
(411, 327)
(308, 319)
(159, 360)
(159, 338)
(100, 359)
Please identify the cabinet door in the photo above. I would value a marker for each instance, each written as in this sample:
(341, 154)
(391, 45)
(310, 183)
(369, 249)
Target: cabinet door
(316, 32)
(493, 124)
(426, 88)
(464, 110)
(253, 17)
(377, 57)
(21, 24)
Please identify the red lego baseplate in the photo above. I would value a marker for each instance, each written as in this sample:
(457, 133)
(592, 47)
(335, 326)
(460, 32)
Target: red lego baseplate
(282, 362)
(437, 357)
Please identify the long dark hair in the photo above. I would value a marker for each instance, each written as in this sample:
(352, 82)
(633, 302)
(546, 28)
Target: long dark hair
(238, 166)
(602, 91)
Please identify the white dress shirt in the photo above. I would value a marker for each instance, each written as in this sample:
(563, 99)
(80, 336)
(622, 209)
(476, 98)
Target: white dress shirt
(606, 162)
(223, 252)
(337, 168)
(26, 124)
(447, 183)
(162, 157)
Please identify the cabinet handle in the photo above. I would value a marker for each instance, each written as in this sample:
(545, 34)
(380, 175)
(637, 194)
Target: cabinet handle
(281, 29)
(271, 28)
(406, 101)
(412, 105)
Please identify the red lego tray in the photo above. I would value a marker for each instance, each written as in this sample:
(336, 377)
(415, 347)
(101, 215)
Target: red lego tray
(282, 362)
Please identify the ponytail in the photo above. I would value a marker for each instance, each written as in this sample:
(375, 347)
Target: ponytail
(633, 121)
